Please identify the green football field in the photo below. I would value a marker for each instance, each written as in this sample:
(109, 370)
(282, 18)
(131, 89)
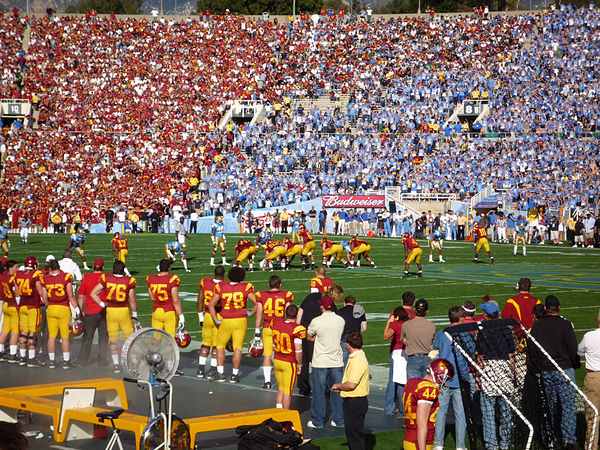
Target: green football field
(572, 274)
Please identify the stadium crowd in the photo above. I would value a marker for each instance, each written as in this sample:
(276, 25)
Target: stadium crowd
(128, 110)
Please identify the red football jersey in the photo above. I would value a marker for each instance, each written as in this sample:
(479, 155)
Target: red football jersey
(321, 284)
(121, 243)
(480, 232)
(234, 297)
(89, 282)
(117, 289)
(306, 236)
(56, 285)
(26, 281)
(161, 287)
(411, 243)
(284, 333)
(418, 390)
(8, 287)
(207, 286)
(274, 303)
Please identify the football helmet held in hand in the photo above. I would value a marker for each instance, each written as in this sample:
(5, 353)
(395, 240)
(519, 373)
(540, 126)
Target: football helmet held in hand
(76, 326)
(256, 347)
(136, 324)
(182, 337)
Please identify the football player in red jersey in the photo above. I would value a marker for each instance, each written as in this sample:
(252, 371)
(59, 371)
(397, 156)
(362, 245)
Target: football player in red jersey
(291, 250)
(9, 292)
(270, 304)
(287, 348)
(120, 295)
(245, 250)
(58, 294)
(412, 252)
(336, 251)
(29, 282)
(480, 236)
(273, 250)
(420, 399)
(119, 250)
(308, 248)
(320, 283)
(209, 329)
(163, 289)
(360, 248)
(233, 295)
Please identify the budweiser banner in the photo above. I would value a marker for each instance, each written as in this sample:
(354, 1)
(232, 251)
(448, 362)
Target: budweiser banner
(354, 201)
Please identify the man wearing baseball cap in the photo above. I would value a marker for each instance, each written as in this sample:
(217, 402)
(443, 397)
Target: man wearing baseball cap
(94, 318)
(556, 336)
(419, 334)
(327, 364)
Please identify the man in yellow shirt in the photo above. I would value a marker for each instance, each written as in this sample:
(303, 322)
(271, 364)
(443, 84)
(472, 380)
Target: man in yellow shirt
(354, 390)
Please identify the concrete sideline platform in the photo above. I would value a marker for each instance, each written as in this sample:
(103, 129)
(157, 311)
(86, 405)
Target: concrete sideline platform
(193, 397)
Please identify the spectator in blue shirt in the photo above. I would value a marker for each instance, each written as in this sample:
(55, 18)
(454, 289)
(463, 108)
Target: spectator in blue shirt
(452, 393)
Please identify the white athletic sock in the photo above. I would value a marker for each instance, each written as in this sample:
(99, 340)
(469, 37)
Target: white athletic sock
(22, 352)
(1, 348)
(66, 356)
(224, 260)
(283, 264)
(212, 261)
(250, 265)
(235, 371)
(221, 369)
(184, 261)
(31, 354)
(279, 405)
(13, 349)
(51, 356)
(213, 362)
(115, 359)
(202, 361)
(267, 373)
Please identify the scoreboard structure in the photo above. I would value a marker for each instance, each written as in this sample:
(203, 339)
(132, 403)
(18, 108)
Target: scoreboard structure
(14, 108)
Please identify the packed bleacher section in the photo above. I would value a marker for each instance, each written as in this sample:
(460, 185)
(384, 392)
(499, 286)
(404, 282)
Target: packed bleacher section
(128, 109)
(11, 59)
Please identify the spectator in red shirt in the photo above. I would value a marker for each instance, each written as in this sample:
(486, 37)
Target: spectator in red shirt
(94, 318)
(520, 307)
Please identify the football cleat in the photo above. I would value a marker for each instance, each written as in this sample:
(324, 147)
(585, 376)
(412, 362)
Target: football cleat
(35, 363)
(67, 365)
(22, 361)
(212, 374)
(267, 385)
(116, 368)
(234, 379)
(219, 378)
(76, 326)
(200, 373)
(52, 365)
(256, 348)
(182, 337)
(31, 262)
(442, 371)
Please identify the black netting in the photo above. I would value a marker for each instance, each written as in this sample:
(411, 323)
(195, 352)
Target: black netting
(511, 392)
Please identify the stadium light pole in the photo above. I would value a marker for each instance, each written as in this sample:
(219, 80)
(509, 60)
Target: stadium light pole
(161, 7)
(418, 7)
(294, 9)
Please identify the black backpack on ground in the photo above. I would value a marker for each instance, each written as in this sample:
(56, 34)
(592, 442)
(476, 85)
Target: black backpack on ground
(268, 435)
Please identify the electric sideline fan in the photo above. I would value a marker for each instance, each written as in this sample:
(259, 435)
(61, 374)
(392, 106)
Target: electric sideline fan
(150, 358)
